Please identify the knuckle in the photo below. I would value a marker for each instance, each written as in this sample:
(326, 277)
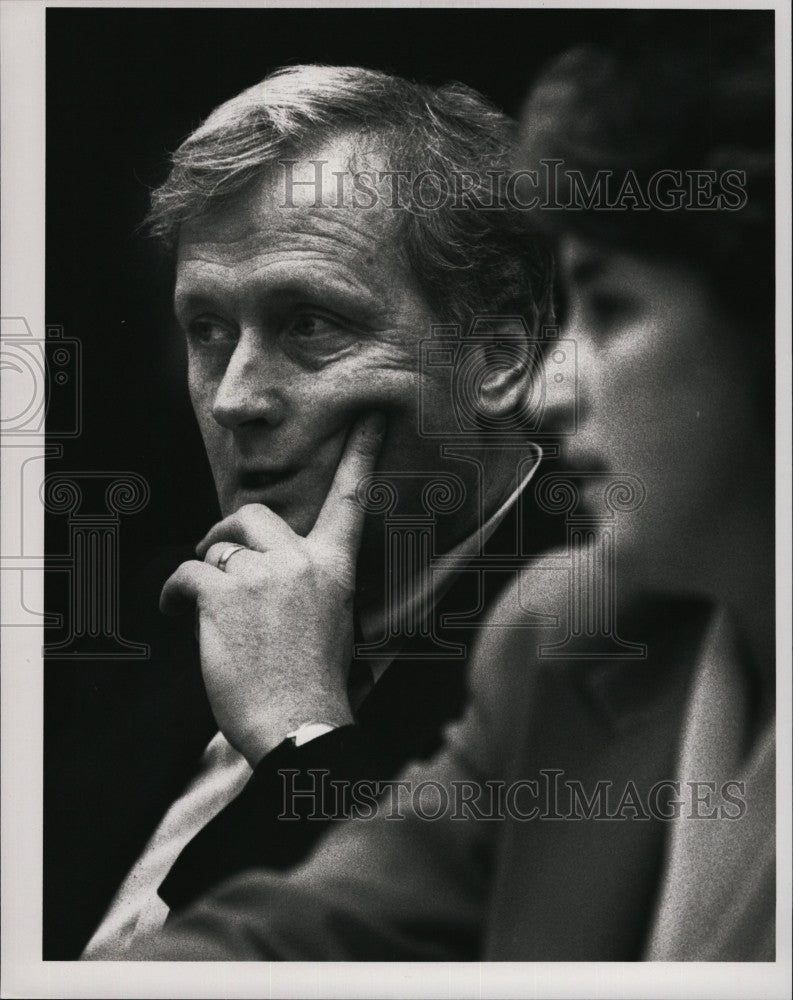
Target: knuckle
(361, 452)
(349, 497)
(244, 516)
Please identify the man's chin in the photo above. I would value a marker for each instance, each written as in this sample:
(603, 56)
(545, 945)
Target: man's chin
(301, 521)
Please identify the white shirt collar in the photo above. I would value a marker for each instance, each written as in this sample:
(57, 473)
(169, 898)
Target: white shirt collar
(438, 581)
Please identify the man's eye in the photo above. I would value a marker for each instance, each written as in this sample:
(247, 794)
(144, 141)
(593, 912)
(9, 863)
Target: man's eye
(211, 332)
(312, 326)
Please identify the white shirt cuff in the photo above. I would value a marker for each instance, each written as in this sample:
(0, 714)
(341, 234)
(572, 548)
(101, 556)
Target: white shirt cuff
(309, 731)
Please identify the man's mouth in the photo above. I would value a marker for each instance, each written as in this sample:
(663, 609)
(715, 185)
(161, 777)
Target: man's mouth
(272, 487)
(256, 480)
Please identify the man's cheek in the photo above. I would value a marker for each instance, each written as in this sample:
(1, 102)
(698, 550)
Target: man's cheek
(218, 456)
(385, 379)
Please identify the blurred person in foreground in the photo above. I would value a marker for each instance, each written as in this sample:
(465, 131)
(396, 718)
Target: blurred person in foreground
(672, 313)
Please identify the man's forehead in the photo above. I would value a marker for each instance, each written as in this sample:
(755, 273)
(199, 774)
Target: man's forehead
(298, 176)
(308, 192)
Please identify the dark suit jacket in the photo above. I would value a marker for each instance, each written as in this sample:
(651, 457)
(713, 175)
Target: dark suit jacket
(399, 721)
(544, 889)
(402, 719)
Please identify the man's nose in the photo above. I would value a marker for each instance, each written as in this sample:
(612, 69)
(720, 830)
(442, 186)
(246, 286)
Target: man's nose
(251, 388)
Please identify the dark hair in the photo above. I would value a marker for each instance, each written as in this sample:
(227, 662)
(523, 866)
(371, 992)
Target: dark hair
(680, 92)
(466, 259)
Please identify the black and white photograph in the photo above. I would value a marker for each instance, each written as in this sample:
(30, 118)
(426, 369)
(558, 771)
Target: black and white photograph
(396, 549)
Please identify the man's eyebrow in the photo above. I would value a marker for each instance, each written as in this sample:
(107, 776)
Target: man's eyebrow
(346, 296)
(190, 298)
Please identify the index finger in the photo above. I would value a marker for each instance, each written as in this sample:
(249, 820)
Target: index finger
(340, 521)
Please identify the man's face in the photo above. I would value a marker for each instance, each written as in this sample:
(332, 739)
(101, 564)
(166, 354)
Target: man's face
(298, 320)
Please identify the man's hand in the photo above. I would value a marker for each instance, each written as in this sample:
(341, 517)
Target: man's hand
(275, 628)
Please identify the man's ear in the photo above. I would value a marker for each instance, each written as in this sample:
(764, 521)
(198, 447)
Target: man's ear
(505, 386)
(509, 367)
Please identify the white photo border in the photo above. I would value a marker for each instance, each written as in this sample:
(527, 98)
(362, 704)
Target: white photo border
(22, 88)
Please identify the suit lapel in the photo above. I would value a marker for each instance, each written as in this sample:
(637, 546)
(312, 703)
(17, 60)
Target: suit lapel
(699, 908)
(568, 887)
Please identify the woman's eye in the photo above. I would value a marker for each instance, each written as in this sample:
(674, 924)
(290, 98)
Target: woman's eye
(609, 309)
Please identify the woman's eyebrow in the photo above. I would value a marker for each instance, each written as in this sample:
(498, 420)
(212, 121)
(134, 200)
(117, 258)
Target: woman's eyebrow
(586, 270)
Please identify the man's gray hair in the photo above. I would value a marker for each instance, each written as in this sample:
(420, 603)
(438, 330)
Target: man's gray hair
(468, 258)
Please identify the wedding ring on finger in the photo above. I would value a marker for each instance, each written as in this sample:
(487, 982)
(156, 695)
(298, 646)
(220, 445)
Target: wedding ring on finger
(226, 554)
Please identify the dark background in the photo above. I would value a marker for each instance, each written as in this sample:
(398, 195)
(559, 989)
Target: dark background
(123, 88)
